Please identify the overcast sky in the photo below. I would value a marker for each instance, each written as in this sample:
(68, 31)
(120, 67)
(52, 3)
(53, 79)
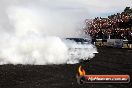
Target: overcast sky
(77, 8)
(90, 7)
(66, 13)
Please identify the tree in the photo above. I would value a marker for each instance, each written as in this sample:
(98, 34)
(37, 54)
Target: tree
(126, 9)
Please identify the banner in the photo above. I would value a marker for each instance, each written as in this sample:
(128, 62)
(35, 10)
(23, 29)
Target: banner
(115, 43)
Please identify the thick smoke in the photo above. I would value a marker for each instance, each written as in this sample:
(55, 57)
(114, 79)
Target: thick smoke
(34, 33)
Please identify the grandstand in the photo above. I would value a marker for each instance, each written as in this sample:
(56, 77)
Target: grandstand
(117, 27)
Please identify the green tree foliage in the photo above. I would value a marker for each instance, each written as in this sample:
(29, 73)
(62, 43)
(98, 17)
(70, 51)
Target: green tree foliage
(128, 10)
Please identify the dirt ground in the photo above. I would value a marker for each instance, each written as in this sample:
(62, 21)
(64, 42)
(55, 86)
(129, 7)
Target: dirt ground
(107, 61)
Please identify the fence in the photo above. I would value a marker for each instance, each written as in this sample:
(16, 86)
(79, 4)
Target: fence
(118, 43)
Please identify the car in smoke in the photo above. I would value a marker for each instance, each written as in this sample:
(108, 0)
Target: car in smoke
(80, 49)
(80, 40)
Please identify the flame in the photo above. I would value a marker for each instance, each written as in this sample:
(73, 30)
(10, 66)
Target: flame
(81, 71)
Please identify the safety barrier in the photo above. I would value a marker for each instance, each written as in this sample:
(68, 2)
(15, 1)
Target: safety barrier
(118, 43)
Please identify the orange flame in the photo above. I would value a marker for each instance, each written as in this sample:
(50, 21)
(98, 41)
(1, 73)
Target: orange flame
(81, 71)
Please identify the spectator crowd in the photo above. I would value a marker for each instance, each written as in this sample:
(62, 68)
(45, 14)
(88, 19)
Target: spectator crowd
(117, 26)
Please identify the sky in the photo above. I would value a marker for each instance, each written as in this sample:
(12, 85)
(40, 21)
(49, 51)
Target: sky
(89, 7)
(61, 14)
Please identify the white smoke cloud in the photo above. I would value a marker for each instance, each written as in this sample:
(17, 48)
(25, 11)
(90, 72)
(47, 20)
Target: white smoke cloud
(33, 37)
(34, 50)
(30, 29)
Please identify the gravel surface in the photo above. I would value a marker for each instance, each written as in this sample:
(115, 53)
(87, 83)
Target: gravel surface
(107, 61)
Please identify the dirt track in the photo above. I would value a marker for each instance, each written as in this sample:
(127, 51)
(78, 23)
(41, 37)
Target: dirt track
(107, 61)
